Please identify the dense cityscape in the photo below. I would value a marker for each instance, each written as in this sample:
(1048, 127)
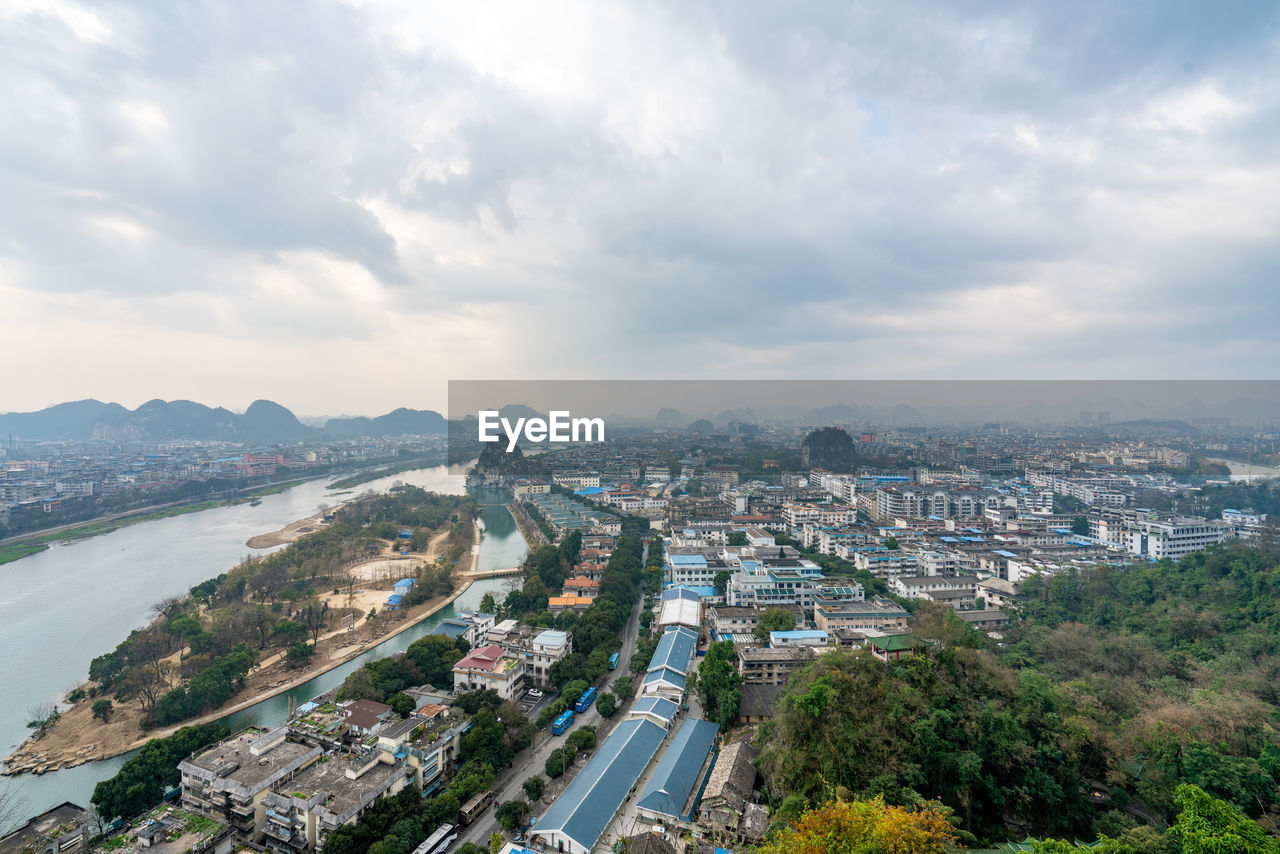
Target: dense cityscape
(641, 681)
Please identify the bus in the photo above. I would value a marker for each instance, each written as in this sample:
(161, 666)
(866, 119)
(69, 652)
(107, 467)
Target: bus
(563, 722)
(584, 702)
(472, 808)
(438, 842)
(613, 661)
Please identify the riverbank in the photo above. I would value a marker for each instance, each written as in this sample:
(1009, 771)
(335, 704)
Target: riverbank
(292, 531)
(532, 536)
(25, 545)
(78, 737)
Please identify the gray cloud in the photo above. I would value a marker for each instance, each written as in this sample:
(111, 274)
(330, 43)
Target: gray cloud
(800, 190)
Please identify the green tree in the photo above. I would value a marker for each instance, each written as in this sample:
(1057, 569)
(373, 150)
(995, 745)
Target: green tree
(721, 581)
(555, 764)
(607, 704)
(736, 538)
(891, 543)
(511, 814)
(534, 787)
(487, 605)
(300, 653)
(774, 620)
(102, 710)
(1207, 825)
(495, 842)
(403, 704)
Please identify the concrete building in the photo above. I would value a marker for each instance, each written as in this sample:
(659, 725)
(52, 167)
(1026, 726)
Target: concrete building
(301, 812)
(489, 667)
(547, 648)
(229, 781)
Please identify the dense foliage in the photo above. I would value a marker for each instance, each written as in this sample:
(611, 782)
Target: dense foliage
(428, 660)
(1179, 666)
(142, 779)
(719, 685)
(954, 725)
(866, 827)
(271, 603)
(1112, 688)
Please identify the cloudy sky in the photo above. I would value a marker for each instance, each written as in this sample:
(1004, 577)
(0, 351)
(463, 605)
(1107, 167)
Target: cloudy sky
(342, 206)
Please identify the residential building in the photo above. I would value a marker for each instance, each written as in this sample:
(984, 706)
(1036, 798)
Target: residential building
(489, 667)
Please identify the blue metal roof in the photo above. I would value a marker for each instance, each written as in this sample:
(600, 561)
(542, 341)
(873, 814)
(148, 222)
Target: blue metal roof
(665, 674)
(589, 803)
(673, 781)
(680, 592)
(675, 650)
(656, 706)
(688, 560)
(798, 634)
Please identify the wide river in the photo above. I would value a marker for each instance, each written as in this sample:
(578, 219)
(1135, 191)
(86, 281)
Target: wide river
(61, 607)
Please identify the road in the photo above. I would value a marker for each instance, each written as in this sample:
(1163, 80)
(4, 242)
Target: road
(532, 760)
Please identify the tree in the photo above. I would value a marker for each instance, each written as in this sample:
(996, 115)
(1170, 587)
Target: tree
(300, 652)
(534, 787)
(555, 764)
(736, 538)
(607, 704)
(316, 618)
(891, 543)
(102, 710)
(495, 842)
(1207, 825)
(774, 620)
(866, 827)
(43, 716)
(487, 605)
(582, 739)
(511, 814)
(1080, 526)
(403, 704)
(721, 581)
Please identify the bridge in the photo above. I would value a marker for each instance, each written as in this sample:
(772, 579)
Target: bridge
(496, 573)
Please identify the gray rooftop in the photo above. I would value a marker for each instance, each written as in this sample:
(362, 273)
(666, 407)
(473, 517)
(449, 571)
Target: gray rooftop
(589, 803)
(670, 790)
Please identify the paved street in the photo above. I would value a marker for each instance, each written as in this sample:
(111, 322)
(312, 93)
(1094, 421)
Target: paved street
(532, 760)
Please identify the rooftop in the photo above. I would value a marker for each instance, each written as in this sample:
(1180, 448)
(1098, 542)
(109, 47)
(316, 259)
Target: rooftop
(589, 803)
(671, 789)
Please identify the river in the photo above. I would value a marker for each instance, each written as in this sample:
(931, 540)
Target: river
(79, 599)
(1247, 471)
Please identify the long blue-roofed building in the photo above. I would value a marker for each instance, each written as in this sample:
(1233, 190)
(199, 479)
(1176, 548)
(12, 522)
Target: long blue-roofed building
(668, 671)
(671, 796)
(576, 820)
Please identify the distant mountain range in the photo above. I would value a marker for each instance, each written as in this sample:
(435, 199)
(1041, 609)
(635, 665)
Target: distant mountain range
(159, 420)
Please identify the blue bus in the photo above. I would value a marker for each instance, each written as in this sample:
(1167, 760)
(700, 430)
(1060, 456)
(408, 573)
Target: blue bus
(584, 702)
(613, 661)
(563, 722)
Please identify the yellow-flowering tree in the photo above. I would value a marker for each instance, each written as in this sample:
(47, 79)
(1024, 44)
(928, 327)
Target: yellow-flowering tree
(867, 827)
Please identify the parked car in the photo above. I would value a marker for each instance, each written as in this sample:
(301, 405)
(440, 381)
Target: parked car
(535, 693)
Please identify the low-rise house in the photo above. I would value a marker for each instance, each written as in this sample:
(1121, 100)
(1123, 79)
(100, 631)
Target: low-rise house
(367, 717)
(729, 789)
(546, 649)
(767, 666)
(489, 667)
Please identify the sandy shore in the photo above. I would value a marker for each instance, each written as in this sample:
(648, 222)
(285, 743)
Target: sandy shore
(78, 737)
(292, 531)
